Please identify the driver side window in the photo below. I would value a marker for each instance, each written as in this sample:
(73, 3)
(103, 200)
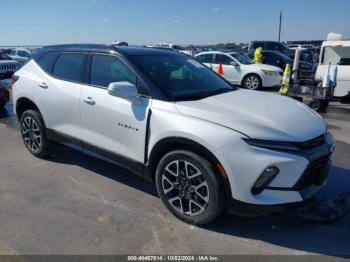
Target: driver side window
(106, 69)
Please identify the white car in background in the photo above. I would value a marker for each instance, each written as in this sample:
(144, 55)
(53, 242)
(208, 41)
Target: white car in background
(239, 69)
(21, 55)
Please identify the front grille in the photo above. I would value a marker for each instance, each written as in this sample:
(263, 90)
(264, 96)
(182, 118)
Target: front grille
(315, 174)
(6, 67)
(315, 142)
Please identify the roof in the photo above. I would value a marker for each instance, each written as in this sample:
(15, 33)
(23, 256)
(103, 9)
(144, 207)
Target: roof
(106, 48)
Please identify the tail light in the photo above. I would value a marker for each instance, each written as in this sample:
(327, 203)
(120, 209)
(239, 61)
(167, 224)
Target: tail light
(14, 79)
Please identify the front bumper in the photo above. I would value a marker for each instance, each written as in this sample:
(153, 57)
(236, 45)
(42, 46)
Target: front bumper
(302, 174)
(271, 80)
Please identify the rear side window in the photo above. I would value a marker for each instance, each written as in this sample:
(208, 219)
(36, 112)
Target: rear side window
(70, 67)
(206, 58)
(109, 69)
(46, 62)
(223, 59)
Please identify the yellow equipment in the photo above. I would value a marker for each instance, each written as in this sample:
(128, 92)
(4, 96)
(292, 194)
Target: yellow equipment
(286, 80)
(258, 55)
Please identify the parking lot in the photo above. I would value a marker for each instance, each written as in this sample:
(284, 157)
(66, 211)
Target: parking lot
(74, 204)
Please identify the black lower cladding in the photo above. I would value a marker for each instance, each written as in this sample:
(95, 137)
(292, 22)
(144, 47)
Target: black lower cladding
(137, 167)
(317, 170)
(315, 174)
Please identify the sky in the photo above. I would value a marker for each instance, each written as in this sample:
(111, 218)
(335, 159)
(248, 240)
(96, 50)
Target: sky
(45, 22)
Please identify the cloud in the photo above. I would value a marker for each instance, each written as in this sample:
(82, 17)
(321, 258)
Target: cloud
(176, 21)
(162, 26)
(93, 2)
(105, 19)
(216, 9)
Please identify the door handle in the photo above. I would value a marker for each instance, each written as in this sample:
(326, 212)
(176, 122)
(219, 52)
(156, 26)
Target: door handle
(43, 85)
(89, 100)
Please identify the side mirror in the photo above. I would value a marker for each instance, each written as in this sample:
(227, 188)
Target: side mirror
(233, 63)
(125, 90)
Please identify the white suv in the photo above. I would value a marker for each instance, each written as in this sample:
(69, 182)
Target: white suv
(207, 145)
(240, 70)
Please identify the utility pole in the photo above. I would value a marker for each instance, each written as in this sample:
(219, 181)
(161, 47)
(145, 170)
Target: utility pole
(280, 27)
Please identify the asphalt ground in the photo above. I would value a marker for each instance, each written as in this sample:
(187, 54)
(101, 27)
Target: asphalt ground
(71, 203)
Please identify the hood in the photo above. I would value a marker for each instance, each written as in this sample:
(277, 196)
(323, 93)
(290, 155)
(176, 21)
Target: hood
(266, 67)
(258, 115)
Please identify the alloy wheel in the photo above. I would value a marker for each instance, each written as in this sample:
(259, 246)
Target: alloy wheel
(185, 188)
(31, 134)
(252, 82)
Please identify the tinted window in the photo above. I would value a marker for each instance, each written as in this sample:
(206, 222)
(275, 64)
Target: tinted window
(271, 57)
(46, 62)
(109, 69)
(255, 45)
(206, 58)
(272, 46)
(69, 67)
(223, 59)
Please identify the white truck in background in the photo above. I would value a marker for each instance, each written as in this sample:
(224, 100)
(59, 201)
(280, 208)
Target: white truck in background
(335, 52)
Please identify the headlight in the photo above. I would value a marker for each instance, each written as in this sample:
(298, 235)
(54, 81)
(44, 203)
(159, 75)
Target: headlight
(269, 72)
(274, 145)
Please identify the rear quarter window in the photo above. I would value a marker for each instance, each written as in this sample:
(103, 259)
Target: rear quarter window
(46, 62)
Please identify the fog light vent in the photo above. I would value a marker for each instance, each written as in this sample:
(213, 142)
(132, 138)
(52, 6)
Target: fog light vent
(266, 178)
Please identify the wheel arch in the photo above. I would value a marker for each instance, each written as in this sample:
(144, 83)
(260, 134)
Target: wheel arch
(169, 144)
(23, 104)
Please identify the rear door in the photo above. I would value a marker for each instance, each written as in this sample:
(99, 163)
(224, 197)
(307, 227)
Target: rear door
(112, 126)
(57, 92)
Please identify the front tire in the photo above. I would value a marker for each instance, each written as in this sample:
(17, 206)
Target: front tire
(34, 134)
(190, 187)
(252, 82)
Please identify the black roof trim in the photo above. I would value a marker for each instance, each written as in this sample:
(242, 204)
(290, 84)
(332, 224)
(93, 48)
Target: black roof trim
(105, 49)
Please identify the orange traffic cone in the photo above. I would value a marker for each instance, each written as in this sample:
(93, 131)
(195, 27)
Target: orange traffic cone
(220, 70)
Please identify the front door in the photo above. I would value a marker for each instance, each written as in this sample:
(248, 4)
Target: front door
(230, 72)
(113, 126)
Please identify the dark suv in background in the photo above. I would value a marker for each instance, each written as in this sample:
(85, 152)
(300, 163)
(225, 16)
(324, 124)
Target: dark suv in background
(271, 46)
(275, 58)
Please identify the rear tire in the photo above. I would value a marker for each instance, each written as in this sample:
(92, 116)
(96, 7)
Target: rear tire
(190, 187)
(252, 82)
(34, 136)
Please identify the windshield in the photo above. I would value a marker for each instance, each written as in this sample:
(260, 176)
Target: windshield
(241, 58)
(181, 77)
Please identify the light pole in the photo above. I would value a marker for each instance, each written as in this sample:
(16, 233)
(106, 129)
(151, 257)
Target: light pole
(280, 27)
